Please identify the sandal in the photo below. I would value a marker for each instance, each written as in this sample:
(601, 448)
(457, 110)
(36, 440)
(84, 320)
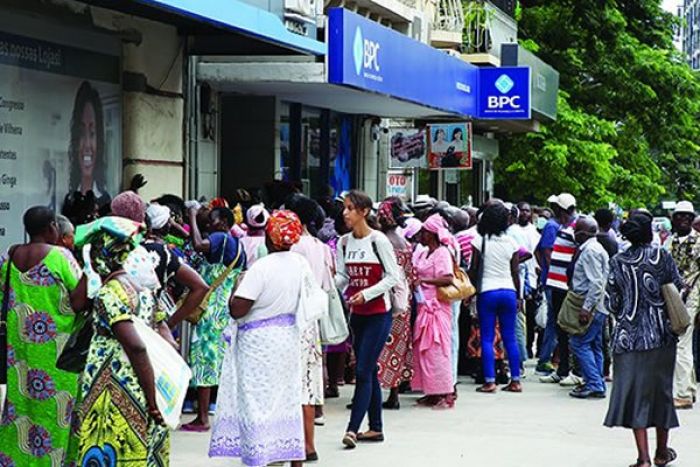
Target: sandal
(514, 386)
(488, 388)
(194, 428)
(444, 404)
(350, 440)
(641, 463)
(671, 455)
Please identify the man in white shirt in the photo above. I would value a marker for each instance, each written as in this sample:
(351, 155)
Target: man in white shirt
(531, 238)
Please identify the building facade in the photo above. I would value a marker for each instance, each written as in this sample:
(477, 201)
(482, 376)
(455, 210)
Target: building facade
(690, 32)
(206, 98)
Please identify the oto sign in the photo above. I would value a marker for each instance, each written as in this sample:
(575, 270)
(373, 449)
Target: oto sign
(399, 183)
(504, 93)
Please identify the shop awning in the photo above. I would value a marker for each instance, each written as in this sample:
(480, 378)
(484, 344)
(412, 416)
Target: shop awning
(208, 17)
(306, 83)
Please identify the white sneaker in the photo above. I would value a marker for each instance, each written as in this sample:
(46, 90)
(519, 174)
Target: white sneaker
(571, 381)
(320, 421)
(550, 379)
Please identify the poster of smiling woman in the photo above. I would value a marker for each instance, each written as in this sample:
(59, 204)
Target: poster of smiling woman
(449, 146)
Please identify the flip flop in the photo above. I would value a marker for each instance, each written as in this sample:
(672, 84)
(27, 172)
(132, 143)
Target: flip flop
(483, 389)
(361, 437)
(512, 388)
(194, 428)
(640, 463)
(672, 456)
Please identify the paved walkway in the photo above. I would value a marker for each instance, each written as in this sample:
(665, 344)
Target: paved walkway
(541, 427)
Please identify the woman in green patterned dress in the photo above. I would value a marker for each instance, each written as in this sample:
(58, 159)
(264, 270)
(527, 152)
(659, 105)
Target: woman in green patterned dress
(45, 290)
(117, 419)
(207, 349)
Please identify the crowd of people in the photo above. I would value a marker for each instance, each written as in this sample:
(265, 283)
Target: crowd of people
(229, 286)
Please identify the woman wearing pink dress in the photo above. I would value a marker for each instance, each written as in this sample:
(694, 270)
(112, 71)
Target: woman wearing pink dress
(432, 335)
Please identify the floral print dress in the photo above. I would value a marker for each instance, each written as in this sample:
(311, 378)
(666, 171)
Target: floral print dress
(35, 427)
(112, 422)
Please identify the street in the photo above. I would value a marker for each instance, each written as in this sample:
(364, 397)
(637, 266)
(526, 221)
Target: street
(543, 426)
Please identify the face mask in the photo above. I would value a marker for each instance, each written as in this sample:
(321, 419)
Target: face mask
(541, 222)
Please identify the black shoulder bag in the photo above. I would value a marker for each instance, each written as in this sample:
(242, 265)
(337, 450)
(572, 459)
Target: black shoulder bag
(3, 334)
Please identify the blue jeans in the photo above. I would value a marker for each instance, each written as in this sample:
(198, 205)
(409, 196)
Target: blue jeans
(369, 334)
(588, 349)
(501, 304)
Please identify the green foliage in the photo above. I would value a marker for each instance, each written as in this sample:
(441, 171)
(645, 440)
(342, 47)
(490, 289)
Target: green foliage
(626, 84)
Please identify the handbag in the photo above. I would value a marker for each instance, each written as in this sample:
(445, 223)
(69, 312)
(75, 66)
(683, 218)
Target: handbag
(333, 326)
(204, 304)
(676, 309)
(73, 356)
(569, 314)
(3, 334)
(172, 375)
(460, 289)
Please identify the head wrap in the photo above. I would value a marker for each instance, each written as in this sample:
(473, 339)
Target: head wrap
(257, 216)
(437, 225)
(413, 226)
(391, 213)
(159, 215)
(283, 229)
(112, 239)
(129, 205)
(218, 203)
(637, 229)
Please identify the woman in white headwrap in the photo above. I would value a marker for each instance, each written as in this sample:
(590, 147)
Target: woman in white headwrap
(254, 242)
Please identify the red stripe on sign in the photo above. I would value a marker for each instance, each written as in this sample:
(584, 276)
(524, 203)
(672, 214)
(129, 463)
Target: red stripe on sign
(558, 277)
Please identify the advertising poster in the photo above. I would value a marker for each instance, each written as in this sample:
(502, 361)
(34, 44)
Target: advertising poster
(60, 127)
(408, 148)
(450, 146)
(399, 183)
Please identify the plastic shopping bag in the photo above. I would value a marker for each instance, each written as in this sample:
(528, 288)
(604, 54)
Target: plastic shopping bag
(171, 373)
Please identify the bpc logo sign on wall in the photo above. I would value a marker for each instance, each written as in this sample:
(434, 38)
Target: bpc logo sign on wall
(366, 57)
(504, 93)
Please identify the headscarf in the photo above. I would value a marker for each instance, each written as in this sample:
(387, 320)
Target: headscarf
(257, 216)
(159, 215)
(130, 206)
(637, 229)
(413, 226)
(284, 229)
(436, 224)
(112, 239)
(391, 213)
(218, 203)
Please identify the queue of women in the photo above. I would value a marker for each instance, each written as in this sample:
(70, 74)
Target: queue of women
(240, 277)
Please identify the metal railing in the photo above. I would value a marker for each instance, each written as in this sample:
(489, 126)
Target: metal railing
(449, 16)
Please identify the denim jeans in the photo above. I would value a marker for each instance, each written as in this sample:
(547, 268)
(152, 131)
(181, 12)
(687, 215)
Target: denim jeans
(588, 349)
(369, 334)
(501, 304)
(521, 333)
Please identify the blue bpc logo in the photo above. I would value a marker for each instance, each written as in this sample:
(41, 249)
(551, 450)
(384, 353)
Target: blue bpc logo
(504, 84)
(365, 53)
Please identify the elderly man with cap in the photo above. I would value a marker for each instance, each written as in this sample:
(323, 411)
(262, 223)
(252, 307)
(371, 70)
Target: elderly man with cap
(555, 254)
(589, 278)
(684, 246)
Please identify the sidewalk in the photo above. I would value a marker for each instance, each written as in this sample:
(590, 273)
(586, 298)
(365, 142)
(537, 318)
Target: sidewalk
(543, 426)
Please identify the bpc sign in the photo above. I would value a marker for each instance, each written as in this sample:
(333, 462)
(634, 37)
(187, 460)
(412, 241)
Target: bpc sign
(504, 93)
(366, 57)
